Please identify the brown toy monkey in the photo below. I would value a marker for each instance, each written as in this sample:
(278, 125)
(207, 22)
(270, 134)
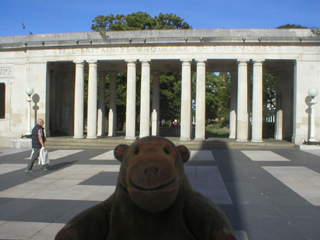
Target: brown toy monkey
(153, 200)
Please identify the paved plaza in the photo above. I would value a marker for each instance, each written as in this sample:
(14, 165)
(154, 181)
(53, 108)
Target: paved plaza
(265, 193)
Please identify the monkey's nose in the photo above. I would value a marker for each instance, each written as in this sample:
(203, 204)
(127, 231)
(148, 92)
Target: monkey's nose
(151, 171)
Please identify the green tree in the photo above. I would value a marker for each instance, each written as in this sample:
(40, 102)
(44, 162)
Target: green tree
(137, 21)
(269, 93)
(218, 90)
(315, 30)
(170, 83)
(291, 26)
(170, 95)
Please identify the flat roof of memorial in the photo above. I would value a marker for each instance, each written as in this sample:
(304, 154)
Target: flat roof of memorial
(143, 37)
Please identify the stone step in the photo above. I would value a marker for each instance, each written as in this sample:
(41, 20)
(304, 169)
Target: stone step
(210, 143)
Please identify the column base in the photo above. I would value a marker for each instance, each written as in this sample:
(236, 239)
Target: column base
(278, 137)
(199, 139)
(78, 136)
(256, 140)
(144, 135)
(242, 140)
(91, 137)
(185, 139)
(130, 138)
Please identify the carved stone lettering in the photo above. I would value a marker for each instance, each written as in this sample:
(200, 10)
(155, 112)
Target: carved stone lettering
(182, 49)
(5, 71)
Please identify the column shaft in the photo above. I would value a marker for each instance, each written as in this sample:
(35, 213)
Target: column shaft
(278, 125)
(102, 104)
(113, 105)
(155, 104)
(92, 101)
(79, 100)
(200, 134)
(145, 100)
(233, 106)
(242, 103)
(257, 102)
(185, 130)
(131, 100)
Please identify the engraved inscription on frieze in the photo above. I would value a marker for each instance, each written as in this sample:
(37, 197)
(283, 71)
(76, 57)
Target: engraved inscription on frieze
(5, 71)
(168, 49)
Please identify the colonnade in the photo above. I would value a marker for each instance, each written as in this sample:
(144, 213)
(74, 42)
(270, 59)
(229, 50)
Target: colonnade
(239, 117)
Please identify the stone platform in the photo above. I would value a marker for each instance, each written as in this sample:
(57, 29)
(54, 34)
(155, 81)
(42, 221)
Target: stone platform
(210, 143)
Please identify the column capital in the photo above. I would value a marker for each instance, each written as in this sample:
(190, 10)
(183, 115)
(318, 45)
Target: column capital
(78, 62)
(258, 60)
(92, 62)
(131, 60)
(188, 60)
(200, 60)
(145, 60)
(243, 60)
(186, 63)
(145, 63)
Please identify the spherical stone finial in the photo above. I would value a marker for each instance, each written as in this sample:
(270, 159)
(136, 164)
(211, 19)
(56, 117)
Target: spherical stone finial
(313, 92)
(29, 91)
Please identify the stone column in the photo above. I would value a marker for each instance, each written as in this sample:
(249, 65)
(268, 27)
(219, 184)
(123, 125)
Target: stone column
(79, 100)
(92, 101)
(284, 104)
(233, 105)
(278, 128)
(102, 104)
(242, 103)
(112, 119)
(185, 130)
(145, 99)
(278, 125)
(155, 103)
(131, 100)
(200, 134)
(257, 102)
(48, 96)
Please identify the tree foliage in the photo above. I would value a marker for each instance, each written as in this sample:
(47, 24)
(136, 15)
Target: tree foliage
(291, 26)
(137, 21)
(170, 95)
(269, 93)
(315, 30)
(218, 89)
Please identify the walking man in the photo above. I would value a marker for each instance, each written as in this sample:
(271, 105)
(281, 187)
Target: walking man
(38, 140)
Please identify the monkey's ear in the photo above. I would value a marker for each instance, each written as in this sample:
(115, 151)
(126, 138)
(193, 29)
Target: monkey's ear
(184, 152)
(119, 151)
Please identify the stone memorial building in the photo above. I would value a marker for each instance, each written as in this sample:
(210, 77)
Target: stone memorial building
(54, 65)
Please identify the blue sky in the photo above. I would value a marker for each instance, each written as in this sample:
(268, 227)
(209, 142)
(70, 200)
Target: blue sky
(61, 16)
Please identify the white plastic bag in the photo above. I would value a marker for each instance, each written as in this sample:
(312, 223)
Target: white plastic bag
(43, 157)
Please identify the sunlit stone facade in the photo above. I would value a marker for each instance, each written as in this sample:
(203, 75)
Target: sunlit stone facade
(55, 64)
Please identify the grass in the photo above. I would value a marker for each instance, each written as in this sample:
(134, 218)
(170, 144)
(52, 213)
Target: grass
(216, 130)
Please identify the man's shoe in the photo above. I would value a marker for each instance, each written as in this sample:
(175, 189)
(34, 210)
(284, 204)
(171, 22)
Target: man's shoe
(29, 171)
(47, 168)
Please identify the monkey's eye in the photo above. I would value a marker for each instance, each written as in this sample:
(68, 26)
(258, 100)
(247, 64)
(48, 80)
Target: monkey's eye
(166, 151)
(136, 152)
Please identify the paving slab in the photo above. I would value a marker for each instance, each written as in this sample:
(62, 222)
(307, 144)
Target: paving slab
(266, 193)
